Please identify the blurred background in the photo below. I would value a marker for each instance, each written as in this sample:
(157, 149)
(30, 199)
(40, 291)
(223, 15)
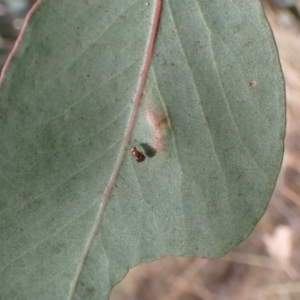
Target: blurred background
(266, 266)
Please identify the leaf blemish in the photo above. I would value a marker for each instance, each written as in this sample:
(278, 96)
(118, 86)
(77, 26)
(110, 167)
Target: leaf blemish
(158, 120)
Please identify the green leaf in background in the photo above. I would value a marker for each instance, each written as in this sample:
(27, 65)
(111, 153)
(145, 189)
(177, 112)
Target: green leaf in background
(77, 209)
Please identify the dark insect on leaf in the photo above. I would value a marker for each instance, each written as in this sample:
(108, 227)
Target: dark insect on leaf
(139, 156)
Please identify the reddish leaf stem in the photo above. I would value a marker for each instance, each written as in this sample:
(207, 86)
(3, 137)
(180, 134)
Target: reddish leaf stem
(17, 42)
(143, 74)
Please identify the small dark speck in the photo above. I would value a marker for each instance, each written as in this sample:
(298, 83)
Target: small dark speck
(253, 83)
(26, 196)
(87, 75)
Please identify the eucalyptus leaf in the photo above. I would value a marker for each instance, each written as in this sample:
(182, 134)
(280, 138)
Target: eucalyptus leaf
(77, 209)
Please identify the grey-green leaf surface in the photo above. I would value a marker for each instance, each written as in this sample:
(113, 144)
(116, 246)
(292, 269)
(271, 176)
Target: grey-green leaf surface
(211, 122)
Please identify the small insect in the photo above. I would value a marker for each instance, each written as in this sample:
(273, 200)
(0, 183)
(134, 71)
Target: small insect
(139, 156)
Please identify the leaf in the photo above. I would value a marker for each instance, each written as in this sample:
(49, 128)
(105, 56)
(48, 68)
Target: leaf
(77, 210)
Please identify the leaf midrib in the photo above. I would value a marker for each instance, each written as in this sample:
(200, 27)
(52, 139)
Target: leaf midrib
(143, 74)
